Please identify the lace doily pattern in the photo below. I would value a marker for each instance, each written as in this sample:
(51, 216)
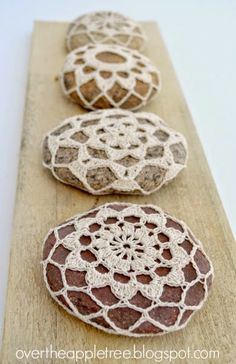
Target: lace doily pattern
(104, 76)
(115, 151)
(127, 269)
(105, 27)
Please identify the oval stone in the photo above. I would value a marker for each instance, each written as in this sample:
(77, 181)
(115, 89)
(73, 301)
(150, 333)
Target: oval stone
(115, 151)
(127, 269)
(105, 27)
(102, 76)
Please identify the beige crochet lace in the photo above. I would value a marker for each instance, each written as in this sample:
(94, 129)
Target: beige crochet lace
(105, 27)
(115, 151)
(124, 252)
(125, 72)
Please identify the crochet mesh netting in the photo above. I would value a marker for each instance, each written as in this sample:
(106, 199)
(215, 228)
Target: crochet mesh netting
(105, 27)
(115, 151)
(127, 269)
(103, 76)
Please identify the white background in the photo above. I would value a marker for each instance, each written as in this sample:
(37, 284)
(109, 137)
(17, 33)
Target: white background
(200, 36)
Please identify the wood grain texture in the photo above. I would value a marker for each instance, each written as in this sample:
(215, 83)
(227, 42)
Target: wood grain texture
(32, 319)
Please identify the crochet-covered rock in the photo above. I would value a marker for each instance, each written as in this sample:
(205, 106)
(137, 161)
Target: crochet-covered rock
(127, 269)
(103, 76)
(115, 151)
(104, 27)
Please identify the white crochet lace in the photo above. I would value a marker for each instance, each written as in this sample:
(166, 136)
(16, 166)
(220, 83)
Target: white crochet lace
(128, 150)
(105, 27)
(133, 242)
(124, 72)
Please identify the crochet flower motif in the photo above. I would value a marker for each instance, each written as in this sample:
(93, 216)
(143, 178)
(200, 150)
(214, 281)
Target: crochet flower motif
(105, 27)
(123, 135)
(115, 151)
(127, 248)
(127, 269)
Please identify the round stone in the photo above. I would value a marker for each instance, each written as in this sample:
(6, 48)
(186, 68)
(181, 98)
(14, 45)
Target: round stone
(104, 27)
(127, 269)
(103, 76)
(115, 151)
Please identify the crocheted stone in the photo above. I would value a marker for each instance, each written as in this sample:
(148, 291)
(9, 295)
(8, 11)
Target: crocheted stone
(115, 151)
(127, 269)
(105, 27)
(103, 76)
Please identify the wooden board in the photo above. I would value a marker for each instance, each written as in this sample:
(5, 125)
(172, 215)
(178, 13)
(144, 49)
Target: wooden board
(32, 319)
